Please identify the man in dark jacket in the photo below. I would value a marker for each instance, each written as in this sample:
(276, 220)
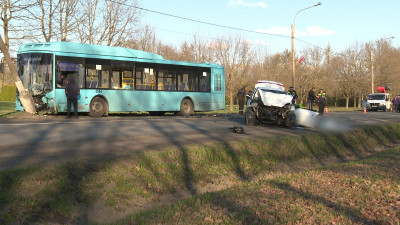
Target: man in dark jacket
(72, 92)
(311, 98)
(241, 96)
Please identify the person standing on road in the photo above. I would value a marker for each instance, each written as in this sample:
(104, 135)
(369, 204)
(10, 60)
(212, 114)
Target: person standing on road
(72, 91)
(293, 93)
(311, 98)
(241, 96)
(322, 96)
(248, 96)
(395, 102)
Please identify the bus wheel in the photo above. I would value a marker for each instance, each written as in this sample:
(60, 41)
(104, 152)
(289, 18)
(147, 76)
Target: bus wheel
(98, 107)
(186, 108)
(156, 113)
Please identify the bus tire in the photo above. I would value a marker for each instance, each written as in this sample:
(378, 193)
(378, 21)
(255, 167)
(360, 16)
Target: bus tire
(186, 108)
(156, 113)
(98, 107)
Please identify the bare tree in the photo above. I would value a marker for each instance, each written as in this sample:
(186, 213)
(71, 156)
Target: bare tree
(119, 17)
(87, 29)
(386, 64)
(235, 55)
(277, 67)
(12, 17)
(68, 18)
(89, 21)
(45, 15)
(145, 39)
(352, 73)
(167, 51)
(312, 72)
(187, 52)
(55, 19)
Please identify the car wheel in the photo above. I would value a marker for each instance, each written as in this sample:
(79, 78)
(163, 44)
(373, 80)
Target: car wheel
(250, 117)
(290, 120)
(98, 107)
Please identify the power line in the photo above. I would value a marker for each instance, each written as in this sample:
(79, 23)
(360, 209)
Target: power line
(206, 37)
(199, 21)
(212, 24)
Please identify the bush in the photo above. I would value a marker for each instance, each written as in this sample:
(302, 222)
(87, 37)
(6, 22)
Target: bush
(8, 93)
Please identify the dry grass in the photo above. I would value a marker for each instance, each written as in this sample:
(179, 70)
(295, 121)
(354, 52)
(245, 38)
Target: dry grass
(247, 181)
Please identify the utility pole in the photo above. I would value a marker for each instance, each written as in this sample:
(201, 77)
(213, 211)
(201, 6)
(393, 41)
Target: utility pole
(293, 61)
(372, 72)
(24, 96)
(293, 27)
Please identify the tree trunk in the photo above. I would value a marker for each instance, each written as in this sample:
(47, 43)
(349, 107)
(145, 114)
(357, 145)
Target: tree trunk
(24, 96)
(347, 102)
(231, 100)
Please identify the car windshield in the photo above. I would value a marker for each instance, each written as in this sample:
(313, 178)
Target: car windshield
(36, 72)
(376, 97)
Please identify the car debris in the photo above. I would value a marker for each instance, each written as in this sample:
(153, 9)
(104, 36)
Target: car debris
(238, 130)
(306, 118)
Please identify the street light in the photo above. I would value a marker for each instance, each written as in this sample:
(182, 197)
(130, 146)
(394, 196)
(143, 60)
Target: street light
(293, 28)
(372, 67)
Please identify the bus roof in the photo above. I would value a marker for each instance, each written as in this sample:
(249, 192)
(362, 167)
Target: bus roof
(100, 51)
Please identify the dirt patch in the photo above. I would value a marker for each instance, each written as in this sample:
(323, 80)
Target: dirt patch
(24, 116)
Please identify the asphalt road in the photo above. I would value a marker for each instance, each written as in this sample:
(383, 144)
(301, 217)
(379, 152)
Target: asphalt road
(38, 140)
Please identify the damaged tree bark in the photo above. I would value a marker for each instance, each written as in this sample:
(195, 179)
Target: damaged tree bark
(24, 95)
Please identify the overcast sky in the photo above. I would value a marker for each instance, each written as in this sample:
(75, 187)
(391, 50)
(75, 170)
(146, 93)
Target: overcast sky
(340, 23)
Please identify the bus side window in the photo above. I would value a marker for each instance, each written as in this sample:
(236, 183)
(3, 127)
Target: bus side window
(105, 79)
(205, 81)
(68, 67)
(116, 80)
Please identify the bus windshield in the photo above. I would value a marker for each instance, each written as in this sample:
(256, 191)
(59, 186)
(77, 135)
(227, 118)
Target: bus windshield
(36, 72)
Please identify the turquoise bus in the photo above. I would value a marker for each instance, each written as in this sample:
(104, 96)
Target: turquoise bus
(116, 79)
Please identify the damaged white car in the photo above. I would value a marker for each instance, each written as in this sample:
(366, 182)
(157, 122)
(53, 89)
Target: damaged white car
(269, 102)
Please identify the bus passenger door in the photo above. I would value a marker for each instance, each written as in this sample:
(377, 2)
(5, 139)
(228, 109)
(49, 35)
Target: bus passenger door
(218, 89)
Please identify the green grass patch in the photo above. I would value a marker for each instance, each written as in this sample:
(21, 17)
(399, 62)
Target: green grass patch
(122, 182)
(7, 109)
(8, 93)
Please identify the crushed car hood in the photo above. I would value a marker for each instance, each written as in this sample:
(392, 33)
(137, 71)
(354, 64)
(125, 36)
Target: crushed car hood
(274, 97)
